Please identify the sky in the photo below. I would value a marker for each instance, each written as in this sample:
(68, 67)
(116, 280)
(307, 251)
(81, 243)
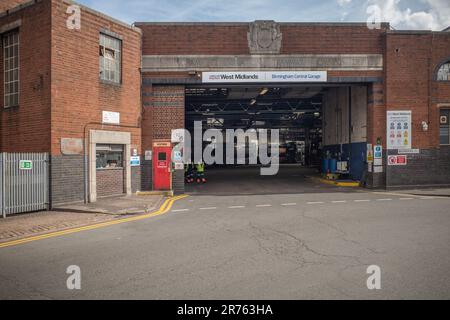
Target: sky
(402, 14)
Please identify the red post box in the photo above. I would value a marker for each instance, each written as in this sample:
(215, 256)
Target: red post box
(162, 175)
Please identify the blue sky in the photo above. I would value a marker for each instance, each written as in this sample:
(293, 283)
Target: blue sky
(402, 14)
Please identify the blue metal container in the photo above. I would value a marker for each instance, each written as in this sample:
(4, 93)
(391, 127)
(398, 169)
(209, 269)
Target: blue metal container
(325, 165)
(332, 165)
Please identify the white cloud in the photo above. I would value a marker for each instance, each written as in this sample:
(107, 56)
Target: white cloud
(343, 2)
(437, 17)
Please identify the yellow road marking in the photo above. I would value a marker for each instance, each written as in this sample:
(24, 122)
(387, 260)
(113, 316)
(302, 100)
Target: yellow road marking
(165, 207)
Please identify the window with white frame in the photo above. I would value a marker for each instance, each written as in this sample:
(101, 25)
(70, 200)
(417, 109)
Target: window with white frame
(443, 73)
(11, 69)
(110, 58)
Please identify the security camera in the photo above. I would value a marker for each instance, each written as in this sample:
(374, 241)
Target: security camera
(424, 126)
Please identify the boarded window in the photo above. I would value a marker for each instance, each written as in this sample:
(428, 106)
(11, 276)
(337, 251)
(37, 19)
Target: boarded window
(110, 58)
(11, 68)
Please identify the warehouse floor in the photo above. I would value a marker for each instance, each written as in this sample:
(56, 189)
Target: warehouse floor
(246, 180)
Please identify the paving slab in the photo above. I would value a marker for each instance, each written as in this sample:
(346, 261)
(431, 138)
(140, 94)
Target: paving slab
(75, 215)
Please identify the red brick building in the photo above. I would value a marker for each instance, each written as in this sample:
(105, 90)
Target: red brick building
(62, 95)
(94, 94)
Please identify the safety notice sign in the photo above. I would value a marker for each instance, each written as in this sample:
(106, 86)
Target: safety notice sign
(400, 160)
(398, 129)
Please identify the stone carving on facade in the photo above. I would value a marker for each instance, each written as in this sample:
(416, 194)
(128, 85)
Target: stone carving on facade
(264, 37)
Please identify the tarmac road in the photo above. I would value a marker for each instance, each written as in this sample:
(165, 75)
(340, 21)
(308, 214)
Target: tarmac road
(281, 246)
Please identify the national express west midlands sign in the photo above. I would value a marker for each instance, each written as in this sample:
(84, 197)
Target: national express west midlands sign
(269, 76)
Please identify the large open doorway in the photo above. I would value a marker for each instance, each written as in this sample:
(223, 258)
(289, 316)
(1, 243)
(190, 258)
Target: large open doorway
(314, 122)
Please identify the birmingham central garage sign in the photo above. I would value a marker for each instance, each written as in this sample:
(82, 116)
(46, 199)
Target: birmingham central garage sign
(268, 76)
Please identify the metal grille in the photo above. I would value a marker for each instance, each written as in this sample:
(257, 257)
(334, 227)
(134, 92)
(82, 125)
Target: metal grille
(24, 182)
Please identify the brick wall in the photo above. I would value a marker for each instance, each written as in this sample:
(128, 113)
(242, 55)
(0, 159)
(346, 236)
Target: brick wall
(110, 182)
(78, 96)
(411, 61)
(231, 38)
(163, 110)
(67, 179)
(26, 128)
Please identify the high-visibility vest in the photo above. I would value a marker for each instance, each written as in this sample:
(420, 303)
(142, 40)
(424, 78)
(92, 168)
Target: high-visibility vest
(200, 167)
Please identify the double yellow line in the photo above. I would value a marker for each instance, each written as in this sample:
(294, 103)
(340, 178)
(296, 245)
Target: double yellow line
(165, 207)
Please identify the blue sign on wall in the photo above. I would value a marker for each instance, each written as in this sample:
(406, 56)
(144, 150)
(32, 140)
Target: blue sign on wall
(135, 161)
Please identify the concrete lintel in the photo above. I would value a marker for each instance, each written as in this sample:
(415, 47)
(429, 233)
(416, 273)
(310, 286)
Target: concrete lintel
(296, 62)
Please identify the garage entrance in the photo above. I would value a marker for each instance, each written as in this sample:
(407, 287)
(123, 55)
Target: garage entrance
(314, 122)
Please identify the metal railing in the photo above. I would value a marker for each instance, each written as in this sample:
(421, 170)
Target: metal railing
(24, 181)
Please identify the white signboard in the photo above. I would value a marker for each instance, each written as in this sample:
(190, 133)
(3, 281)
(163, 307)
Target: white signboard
(177, 135)
(264, 76)
(398, 129)
(408, 151)
(111, 117)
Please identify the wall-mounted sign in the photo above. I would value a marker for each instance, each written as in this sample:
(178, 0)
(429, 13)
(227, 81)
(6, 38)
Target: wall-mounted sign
(135, 161)
(148, 155)
(408, 151)
(161, 144)
(378, 152)
(26, 165)
(177, 156)
(377, 169)
(177, 135)
(443, 120)
(71, 146)
(398, 130)
(264, 76)
(110, 117)
(369, 158)
(400, 160)
(178, 166)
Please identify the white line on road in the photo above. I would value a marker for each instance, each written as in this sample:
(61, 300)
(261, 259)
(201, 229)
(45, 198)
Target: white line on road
(315, 202)
(180, 210)
(289, 204)
(387, 199)
(426, 198)
(406, 199)
(339, 201)
(236, 207)
(208, 208)
(263, 205)
(364, 200)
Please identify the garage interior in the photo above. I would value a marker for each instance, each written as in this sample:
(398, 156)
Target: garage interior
(313, 122)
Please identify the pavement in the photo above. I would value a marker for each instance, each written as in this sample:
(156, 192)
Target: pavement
(437, 192)
(312, 245)
(75, 215)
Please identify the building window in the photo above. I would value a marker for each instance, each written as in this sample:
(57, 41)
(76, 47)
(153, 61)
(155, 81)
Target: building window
(443, 73)
(11, 68)
(444, 129)
(109, 156)
(110, 58)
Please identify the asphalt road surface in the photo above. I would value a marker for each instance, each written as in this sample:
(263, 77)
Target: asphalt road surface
(282, 246)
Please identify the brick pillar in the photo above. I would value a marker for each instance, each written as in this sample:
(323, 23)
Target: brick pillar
(376, 128)
(163, 111)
